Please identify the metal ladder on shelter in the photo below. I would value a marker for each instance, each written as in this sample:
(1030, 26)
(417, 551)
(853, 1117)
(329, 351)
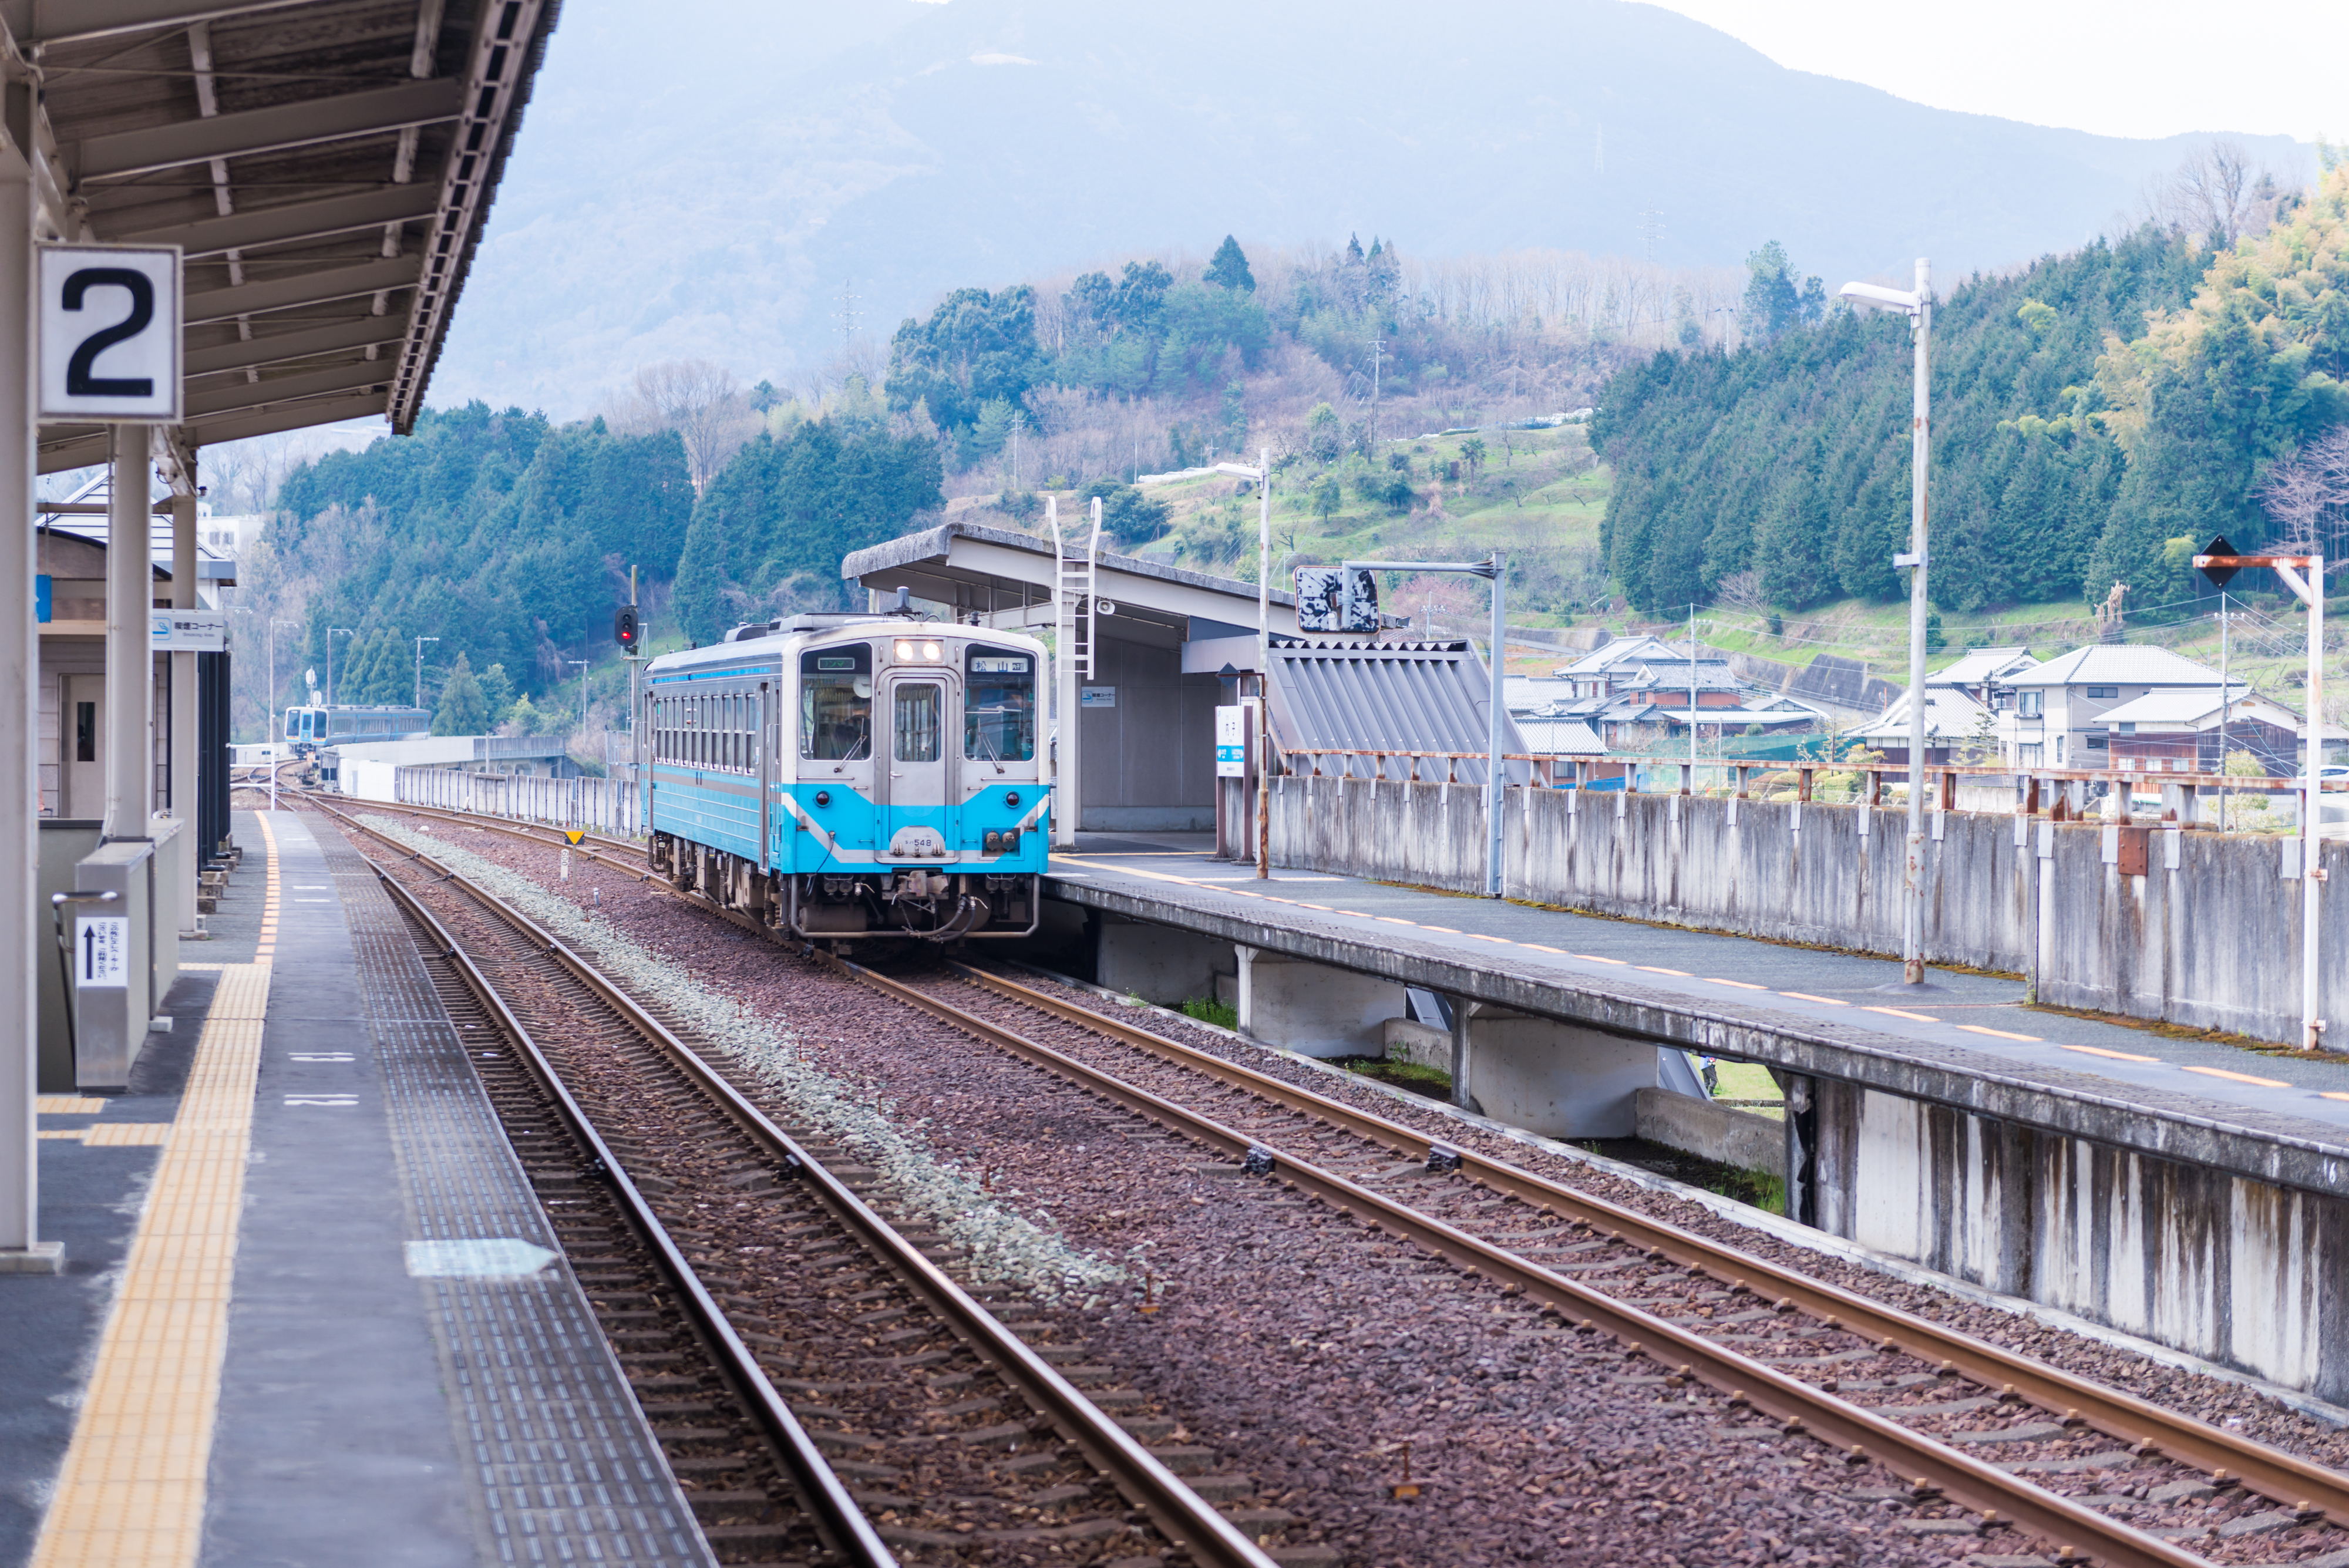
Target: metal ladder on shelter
(1075, 581)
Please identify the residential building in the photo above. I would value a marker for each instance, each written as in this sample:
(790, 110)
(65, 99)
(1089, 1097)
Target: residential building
(2195, 731)
(2056, 712)
(1957, 729)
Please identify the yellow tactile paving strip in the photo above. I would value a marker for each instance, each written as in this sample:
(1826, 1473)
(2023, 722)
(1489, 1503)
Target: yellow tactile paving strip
(131, 1493)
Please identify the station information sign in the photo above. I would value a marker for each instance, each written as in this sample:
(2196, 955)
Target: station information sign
(1231, 743)
(111, 333)
(101, 952)
(188, 630)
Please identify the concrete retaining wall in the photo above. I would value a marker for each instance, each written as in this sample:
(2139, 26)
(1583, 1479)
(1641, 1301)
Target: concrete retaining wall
(2209, 937)
(2240, 1271)
(1722, 1134)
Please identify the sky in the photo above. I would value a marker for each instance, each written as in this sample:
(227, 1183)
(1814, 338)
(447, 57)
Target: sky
(2118, 67)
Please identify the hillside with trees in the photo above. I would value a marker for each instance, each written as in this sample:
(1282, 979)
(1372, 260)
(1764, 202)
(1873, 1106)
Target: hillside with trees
(2096, 417)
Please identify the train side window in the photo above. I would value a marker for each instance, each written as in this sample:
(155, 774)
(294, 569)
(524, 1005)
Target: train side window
(999, 712)
(734, 732)
(836, 703)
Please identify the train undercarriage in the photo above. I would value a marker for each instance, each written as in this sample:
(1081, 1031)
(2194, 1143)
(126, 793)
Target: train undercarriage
(838, 908)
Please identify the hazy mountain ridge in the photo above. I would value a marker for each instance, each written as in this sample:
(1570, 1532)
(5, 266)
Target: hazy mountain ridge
(712, 203)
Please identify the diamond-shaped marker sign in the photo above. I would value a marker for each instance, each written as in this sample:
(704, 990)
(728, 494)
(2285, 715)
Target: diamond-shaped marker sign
(2220, 576)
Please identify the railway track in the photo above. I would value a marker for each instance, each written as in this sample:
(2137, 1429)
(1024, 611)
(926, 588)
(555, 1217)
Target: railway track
(907, 1417)
(1959, 1419)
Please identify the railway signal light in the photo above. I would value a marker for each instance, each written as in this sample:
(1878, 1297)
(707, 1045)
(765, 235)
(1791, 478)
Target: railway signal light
(625, 629)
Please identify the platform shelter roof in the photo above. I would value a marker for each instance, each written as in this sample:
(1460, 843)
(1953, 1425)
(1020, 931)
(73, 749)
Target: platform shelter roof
(326, 166)
(1006, 576)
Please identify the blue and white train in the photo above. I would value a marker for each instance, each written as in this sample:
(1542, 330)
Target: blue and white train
(842, 777)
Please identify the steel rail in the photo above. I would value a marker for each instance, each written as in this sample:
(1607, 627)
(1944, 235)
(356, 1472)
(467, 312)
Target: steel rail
(843, 1520)
(1797, 1406)
(2287, 1478)
(1181, 1514)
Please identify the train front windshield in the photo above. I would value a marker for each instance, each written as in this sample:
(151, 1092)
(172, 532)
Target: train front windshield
(998, 707)
(836, 703)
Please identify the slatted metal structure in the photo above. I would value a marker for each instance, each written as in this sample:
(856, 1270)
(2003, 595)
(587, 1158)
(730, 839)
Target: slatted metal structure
(1392, 697)
(326, 166)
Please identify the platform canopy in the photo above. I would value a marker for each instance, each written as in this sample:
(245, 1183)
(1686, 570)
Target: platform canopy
(324, 165)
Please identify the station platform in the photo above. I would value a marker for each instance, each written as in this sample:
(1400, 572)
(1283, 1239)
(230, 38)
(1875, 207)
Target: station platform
(263, 1347)
(1970, 1040)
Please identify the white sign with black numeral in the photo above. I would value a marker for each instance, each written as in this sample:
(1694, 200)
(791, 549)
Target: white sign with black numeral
(110, 333)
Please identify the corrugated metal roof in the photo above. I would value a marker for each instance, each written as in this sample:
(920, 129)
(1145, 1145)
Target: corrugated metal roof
(1609, 655)
(1561, 738)
(1393, 696)
(2179, 707)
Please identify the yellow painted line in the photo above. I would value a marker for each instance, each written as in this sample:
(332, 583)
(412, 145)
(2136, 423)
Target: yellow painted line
(73, 1135)
(1659, 969)
(2236, 1077)
(1806, 996)
(1896, 1012)
(2115, 1056)
(1394, 920)
(1594, 958)
(1447, 931)
(1997, 1034)
(2330, 1095)
(131, 1492)
(1540, 948)
(1740, 985)
(1481, 937)
(67, 1104)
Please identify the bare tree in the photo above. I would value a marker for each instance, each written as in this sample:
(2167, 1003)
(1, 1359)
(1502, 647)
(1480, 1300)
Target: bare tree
(702, 402)
(2307, 495)
(1742, 591)
(2217, 192)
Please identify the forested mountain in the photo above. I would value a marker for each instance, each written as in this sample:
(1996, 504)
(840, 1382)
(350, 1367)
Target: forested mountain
(509, 539)
(846, 161)
(2090, 412)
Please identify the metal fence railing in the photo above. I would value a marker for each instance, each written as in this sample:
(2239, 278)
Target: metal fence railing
(607, 805)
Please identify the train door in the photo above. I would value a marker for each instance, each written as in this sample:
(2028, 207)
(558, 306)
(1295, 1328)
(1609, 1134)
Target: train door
(85, 728)
(916, 820)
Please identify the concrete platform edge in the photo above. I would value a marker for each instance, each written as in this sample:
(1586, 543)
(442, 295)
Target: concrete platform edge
(2291, 1152)
(1776, 1226)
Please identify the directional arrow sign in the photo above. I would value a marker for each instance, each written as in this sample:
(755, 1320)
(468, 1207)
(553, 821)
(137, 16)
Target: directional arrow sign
(575, 833)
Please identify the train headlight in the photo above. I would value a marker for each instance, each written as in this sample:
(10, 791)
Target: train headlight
(992, 844)
(904, 650)
(930, 651)
(1010, 840)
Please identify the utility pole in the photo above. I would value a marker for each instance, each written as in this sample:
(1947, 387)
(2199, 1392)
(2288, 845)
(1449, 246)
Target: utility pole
(2219, 565)
(2226, 709)
(1378, 352)
(1264, 664)
(1692, 788)
(420, 667)
(583, 697)
(1917, 305)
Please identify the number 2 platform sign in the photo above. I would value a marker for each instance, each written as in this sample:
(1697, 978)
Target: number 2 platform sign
(111, 333)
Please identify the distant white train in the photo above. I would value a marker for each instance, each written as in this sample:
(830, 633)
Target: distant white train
(847, 777)
(309, 728)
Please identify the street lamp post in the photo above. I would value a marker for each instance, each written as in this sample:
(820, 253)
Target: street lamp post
(420, 667)
(1262, 474)
(1917, 305)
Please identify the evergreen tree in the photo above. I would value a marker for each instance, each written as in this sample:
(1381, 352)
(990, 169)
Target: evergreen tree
(463, 709)
(1229, 268)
